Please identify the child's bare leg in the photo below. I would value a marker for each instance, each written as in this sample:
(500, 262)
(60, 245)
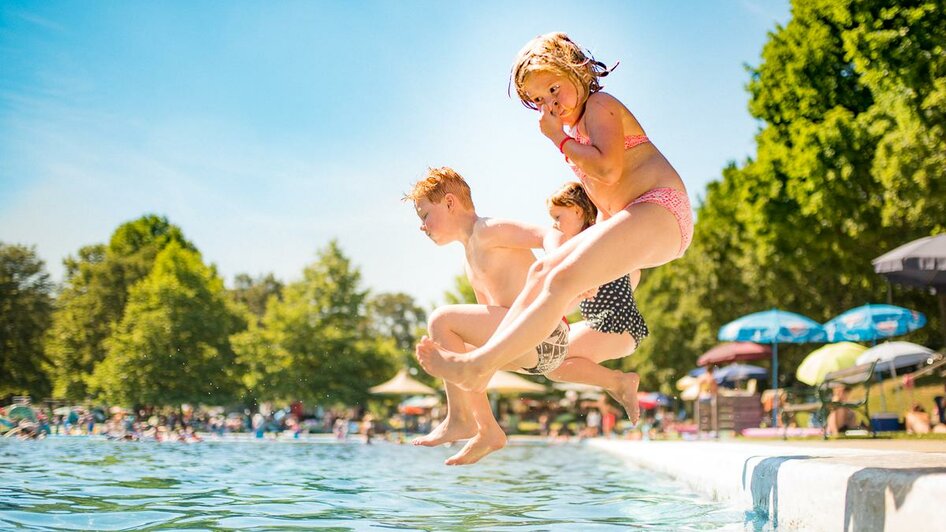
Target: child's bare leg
(468, 413)
(586, 349)
(642, 236)
(457, 425)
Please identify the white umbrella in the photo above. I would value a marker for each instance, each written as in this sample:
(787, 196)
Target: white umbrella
(895, 355)
(689, 388)
(506, 382)
(691, 392)
(402, 384)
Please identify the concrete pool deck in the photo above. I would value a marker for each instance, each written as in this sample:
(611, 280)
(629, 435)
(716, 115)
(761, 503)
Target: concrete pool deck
(809, 485)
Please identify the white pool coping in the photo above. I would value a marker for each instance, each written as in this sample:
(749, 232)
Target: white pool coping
(805, 487)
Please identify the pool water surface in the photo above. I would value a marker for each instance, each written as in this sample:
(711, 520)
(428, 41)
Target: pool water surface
(77, 483)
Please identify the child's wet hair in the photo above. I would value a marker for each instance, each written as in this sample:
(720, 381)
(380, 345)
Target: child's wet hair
(437, 183)
(558, 54)
(572, 194)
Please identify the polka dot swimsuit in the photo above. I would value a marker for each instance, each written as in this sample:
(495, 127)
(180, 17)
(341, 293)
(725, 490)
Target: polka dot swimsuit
(613, 310)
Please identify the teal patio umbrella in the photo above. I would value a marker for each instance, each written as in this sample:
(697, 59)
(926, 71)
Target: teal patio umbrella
(773, 327)
(869, 323)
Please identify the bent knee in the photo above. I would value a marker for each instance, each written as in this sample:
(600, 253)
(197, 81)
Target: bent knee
(440, 321)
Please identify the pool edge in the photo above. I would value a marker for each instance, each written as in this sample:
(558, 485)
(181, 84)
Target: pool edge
(804, 487)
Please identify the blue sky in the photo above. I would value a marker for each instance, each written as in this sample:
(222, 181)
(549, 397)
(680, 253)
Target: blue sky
(264, 129)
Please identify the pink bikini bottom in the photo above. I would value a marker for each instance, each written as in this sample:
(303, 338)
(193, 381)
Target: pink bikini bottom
(679, 206)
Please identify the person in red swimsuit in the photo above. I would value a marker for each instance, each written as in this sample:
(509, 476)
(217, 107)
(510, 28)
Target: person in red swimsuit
(644, 217)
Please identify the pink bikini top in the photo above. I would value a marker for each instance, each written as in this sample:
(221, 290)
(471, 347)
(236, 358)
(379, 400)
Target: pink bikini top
(630, 141)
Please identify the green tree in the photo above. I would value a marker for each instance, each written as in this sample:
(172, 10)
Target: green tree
(172, 344)
(93, 299)
(316, 344)
(397, 316)
(848, 166)
(25, 314)
(462, 292)
(255, 293)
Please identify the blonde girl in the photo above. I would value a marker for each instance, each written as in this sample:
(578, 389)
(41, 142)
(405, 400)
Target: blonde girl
(644, 217)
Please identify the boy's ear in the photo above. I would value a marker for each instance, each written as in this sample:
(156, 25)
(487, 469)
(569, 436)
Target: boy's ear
(449, 200)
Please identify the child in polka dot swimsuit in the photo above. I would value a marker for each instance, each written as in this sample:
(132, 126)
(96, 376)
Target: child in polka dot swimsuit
(613, 309)
(612, 327)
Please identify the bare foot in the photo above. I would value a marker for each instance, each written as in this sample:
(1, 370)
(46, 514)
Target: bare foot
(448, 431)
(455, 368)
(626, 394)
(479, 446)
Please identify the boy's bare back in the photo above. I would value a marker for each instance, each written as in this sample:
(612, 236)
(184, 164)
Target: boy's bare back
(498, 256)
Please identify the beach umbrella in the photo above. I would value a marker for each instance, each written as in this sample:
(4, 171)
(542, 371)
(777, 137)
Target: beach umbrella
(421, 401)
(921, 263)
(685, 382)
(872, 322)
(651, 400)
(402, 384)
(691, 392)
(504, 382)
(826, 359)
(739, 372)
(417, 404)
(773, 327)
(895, 355)
(689, 387)
(728, 352)
(646, 401)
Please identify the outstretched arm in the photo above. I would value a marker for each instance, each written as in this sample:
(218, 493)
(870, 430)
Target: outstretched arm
(513, 234)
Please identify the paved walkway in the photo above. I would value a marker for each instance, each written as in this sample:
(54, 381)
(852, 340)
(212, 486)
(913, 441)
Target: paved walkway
(850, 485)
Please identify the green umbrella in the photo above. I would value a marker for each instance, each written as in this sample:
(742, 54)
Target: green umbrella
(824, 360)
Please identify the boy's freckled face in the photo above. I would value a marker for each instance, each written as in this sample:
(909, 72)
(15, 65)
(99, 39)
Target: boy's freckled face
(566, 219)
(431, 215)
(555, 91)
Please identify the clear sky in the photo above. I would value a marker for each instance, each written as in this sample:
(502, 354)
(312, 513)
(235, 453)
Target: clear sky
(264, 129)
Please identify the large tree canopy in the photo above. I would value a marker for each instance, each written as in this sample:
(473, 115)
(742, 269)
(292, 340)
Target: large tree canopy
(93, 299)
(25, 313)
(316, 344)
(172, 344)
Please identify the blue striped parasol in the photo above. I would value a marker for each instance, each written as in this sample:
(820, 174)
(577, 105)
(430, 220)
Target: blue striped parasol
(773, 327)
(870, 322)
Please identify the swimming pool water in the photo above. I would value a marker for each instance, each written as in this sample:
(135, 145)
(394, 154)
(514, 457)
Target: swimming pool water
(88, 484)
